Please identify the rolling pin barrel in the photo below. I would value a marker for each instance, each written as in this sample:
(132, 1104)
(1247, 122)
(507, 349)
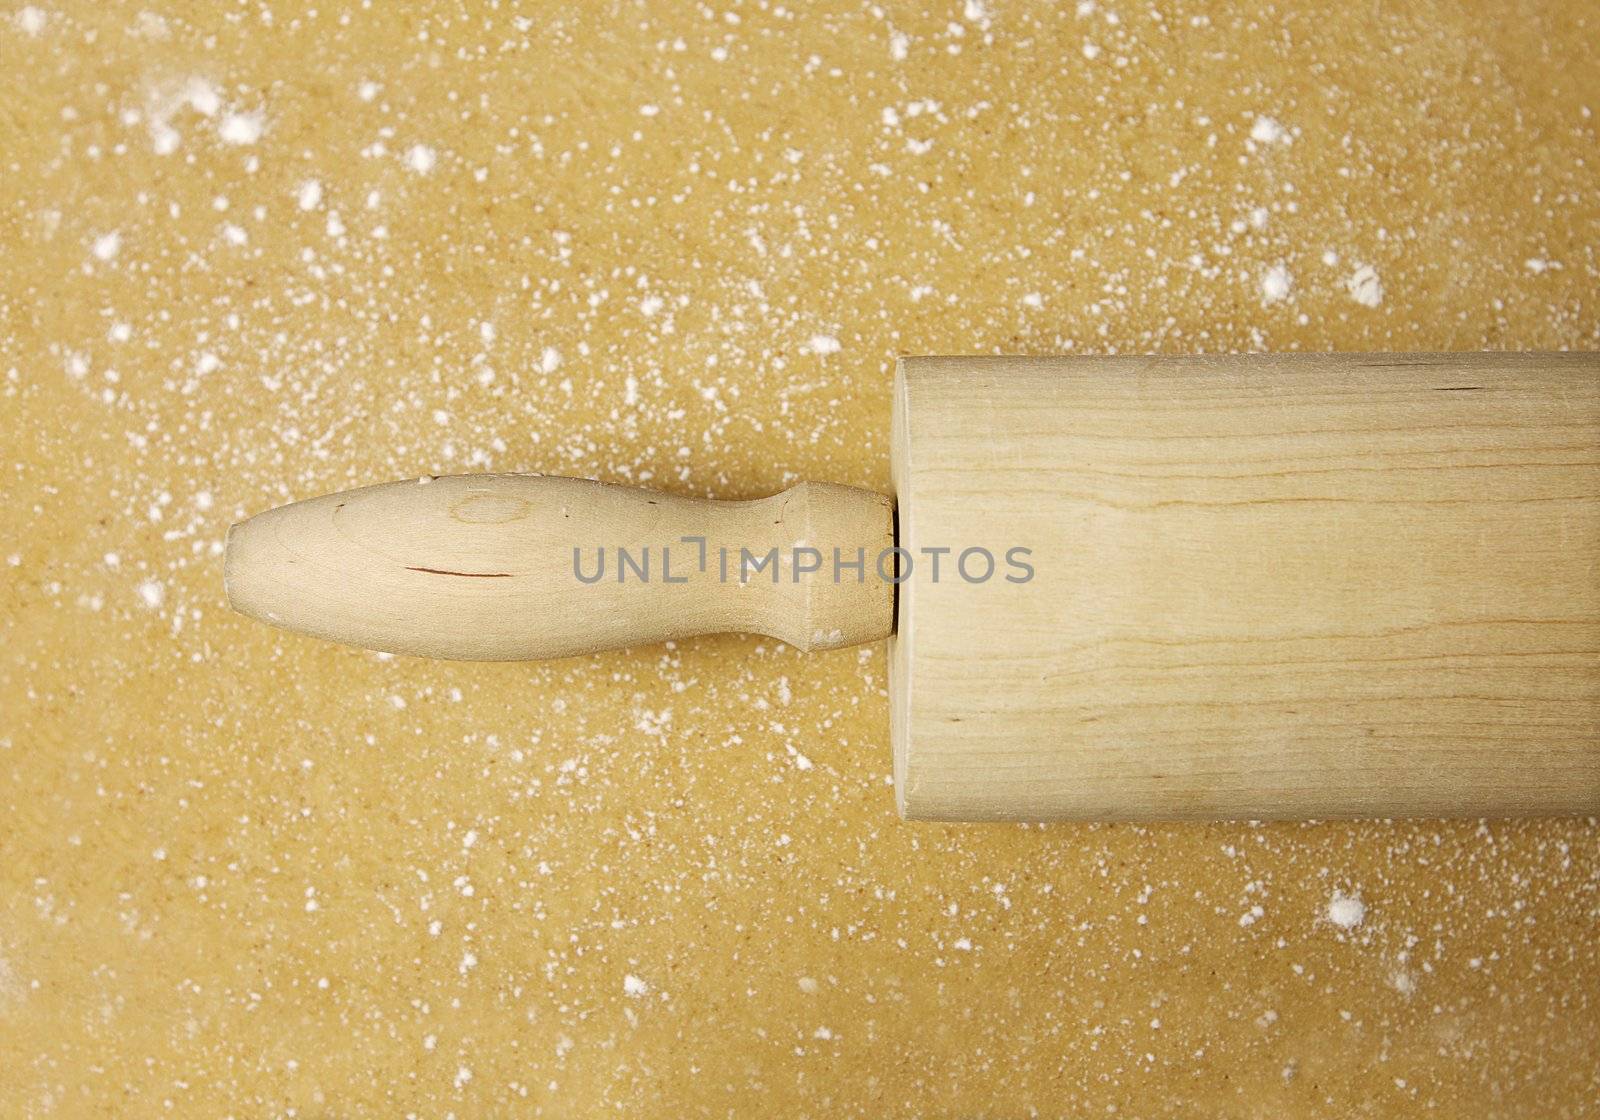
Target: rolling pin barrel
(1264, 586)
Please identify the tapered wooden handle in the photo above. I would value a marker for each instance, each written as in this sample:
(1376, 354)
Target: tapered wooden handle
(515, 567)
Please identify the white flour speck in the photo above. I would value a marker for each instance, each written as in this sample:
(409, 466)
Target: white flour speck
(1346, 911)
(1365, 287)
(151, 593)
(420, 158)
(149, 25)
(899, 45)
(31, 20)
(630, 390)
(368, 90)
(634, 986)
(202, 96)
(107, 245)
(1275, 284)
(309, 194)
(240, 128)
(550, 360)
(1091, 51)
(1268, 131)
(823, 344)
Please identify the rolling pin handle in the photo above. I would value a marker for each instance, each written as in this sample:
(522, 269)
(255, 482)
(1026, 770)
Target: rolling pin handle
(521, 567)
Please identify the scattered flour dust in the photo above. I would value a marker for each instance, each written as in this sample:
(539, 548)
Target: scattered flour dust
(240, 128)
(823, 344)
(1346, 911)
(151, 593)
(1364, 286)
(201, 96)
(194, 93)
(1266, 130)
(107, 245)
(31, 20)
(420, 158)
(1275, 284)
(309, 194)
(634, 986)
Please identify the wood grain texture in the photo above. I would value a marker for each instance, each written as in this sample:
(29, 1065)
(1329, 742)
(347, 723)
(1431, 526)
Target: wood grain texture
(481, 567)
(1284, 586)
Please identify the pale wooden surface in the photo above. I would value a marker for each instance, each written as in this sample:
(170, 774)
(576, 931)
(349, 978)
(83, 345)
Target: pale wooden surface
(481, 567)
(1267, 587)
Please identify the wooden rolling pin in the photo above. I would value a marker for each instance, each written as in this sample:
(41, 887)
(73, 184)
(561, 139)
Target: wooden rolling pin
(1273, 586)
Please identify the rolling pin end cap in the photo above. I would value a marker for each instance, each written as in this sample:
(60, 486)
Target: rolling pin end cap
(248, 566)
(236, 583)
